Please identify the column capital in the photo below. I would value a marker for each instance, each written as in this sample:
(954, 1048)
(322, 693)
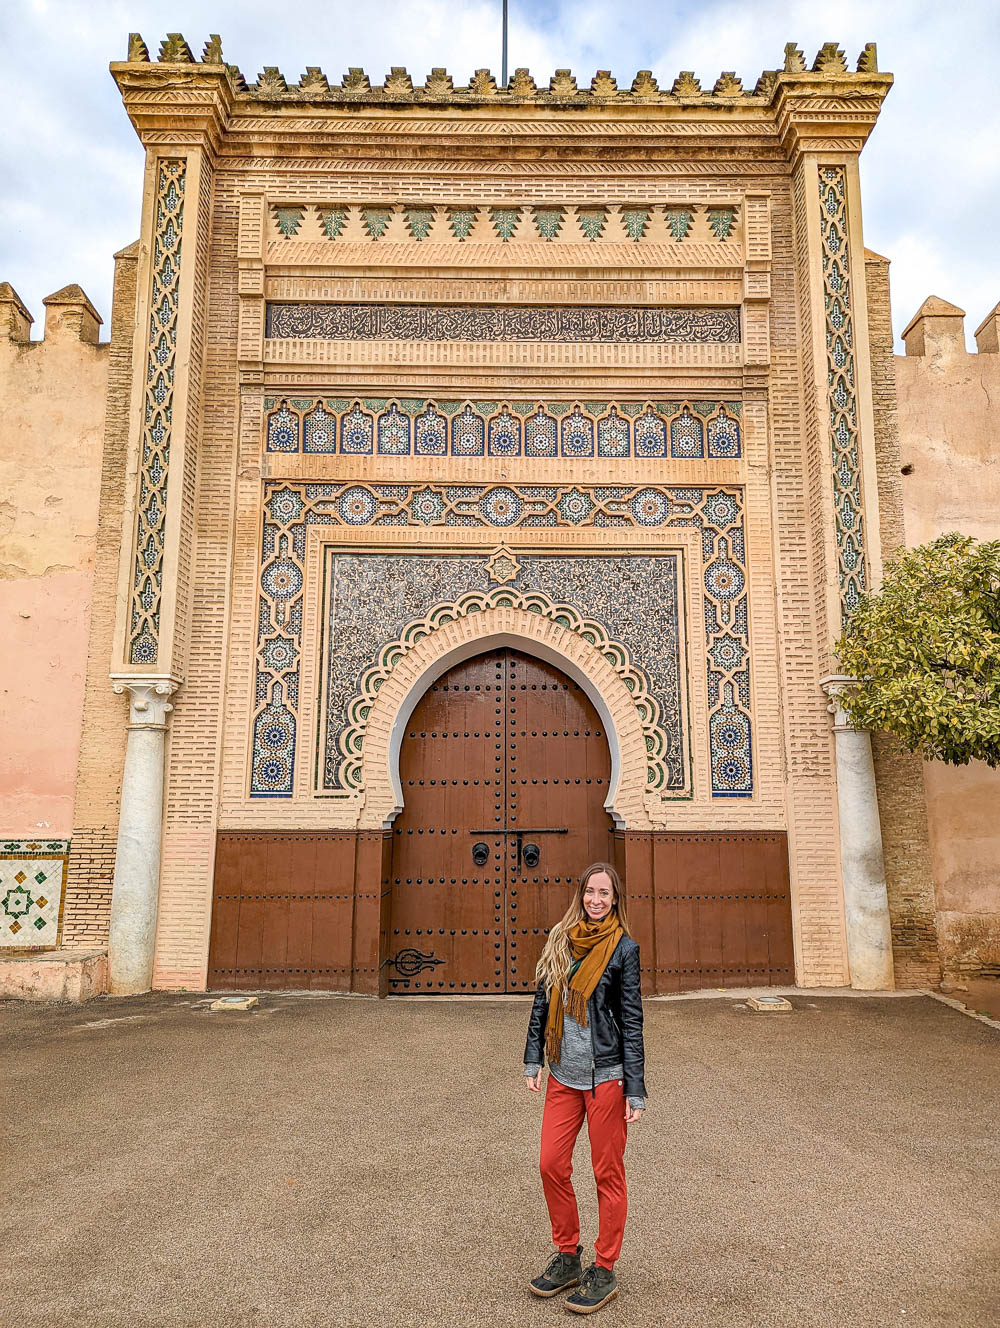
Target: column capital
(835, 685)
(148, 698)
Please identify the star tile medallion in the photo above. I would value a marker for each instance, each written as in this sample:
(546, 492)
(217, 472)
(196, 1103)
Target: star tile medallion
(502, 566)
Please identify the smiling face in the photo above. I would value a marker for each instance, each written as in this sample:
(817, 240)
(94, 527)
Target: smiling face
(598, 896)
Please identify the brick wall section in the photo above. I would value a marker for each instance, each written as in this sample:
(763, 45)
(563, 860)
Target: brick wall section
(890, 484)
(90, 874)
(802, 511)
(898, 775)
(195, 735)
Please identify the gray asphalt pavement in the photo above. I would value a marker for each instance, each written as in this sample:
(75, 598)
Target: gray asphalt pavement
(340, 1163)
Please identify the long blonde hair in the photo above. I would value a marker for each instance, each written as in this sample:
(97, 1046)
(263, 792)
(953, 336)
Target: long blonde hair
(557, 958)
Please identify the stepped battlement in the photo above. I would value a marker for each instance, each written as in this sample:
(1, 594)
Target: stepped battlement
(828, 74)
(938, 329)
(69, 315)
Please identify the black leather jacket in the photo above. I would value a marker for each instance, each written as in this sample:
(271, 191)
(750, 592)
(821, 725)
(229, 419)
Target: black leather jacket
(614, 1015)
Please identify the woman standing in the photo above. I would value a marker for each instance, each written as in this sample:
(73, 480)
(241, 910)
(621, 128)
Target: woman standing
(588, 1014)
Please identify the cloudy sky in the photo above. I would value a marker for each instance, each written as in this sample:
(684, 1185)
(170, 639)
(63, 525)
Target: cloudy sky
(70, 165)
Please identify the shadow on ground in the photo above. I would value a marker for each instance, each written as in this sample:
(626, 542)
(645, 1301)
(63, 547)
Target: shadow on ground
(344, 1162)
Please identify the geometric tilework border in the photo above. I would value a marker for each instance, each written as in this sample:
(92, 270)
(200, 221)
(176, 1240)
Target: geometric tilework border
(158, 402)
(458, 223)
(405, 426)
(842, 388)
(289, 509)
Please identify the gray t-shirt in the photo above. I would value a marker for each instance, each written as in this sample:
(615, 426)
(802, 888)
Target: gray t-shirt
(576, 1064)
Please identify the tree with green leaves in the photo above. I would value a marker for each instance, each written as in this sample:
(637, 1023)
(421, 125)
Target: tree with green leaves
(925, 649)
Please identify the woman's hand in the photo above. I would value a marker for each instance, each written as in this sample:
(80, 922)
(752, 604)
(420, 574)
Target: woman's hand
(633, 1114)
(534, 1085)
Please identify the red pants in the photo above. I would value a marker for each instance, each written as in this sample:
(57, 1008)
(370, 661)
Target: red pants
(564, 1111)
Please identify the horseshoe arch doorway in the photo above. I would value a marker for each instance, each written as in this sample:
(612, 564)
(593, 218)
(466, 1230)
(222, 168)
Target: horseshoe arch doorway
(505, 768)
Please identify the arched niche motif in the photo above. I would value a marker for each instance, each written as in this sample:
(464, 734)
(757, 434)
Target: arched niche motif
(460, 639)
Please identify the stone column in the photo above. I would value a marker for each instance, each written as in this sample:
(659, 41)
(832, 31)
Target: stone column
(140, 826)
(866, 900)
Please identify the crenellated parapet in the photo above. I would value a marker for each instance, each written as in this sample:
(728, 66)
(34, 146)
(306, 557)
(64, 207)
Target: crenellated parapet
(69, 316)
(15, 317)
(937, 331)
(829, 74)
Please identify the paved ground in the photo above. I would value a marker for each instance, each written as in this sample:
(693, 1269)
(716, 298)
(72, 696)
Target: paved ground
(339, 1162)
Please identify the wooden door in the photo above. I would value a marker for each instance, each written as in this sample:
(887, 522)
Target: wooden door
(558, 770)
(505, 769)
(711, 908)
(282, 908)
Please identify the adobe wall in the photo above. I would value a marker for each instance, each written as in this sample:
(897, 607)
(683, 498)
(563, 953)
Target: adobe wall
(950, 468)
(52, 395)
(909, 868)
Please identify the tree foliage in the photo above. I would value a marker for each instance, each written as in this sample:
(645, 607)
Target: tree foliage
(926, 651)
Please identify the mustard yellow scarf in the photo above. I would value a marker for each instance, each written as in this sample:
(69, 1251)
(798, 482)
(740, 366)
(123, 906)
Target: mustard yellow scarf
(593, 944)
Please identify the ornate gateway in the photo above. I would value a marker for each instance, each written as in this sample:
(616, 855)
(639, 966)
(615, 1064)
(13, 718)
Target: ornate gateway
(501, 474)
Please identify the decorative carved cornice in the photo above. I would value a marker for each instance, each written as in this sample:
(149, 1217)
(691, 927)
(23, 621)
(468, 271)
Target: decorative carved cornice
(191, 100)
(835, 99)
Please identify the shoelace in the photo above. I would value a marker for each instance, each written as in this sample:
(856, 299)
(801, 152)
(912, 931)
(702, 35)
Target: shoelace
(589, 1280)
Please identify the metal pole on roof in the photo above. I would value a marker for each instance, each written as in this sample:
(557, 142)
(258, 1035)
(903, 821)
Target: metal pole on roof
(503, 61)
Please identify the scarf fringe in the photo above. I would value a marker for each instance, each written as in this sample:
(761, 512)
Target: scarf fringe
(553, 1046)
(576, 1006)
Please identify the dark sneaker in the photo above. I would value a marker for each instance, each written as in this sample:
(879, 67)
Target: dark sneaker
(563, 1271)
(599, 1286)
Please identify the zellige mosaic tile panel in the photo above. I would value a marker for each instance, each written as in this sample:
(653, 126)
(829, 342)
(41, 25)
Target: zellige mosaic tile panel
(32, 880)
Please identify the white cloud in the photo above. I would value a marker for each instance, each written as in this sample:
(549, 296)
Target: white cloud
(72, 167)
(919, 269)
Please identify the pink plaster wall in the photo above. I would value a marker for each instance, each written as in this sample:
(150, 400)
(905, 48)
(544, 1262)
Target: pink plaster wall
(950, 442)
(43, 652)
(52, 422)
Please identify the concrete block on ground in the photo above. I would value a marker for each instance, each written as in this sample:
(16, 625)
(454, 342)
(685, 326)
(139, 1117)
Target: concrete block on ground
(769, 1004)
(55, 975)
(234, 1003)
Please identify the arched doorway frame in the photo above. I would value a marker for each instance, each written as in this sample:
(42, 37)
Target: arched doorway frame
(471, 635)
